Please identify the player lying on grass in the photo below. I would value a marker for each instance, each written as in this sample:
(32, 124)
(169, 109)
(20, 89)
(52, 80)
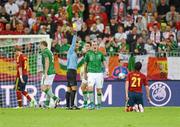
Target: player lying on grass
(133, 89)
(48, 74)
(84, 82)
(22, 78)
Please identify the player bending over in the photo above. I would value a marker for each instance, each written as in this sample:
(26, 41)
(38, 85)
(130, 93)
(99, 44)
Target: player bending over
(84, 82)
(133, 89)
(48, 74)
(94, 61)
(22, 78)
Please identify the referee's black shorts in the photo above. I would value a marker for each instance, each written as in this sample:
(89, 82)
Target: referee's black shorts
(19, 85)
(71, 77)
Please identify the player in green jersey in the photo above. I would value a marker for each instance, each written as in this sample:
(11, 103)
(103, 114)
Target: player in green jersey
(48, 74)
(83, 77)
(94, 64)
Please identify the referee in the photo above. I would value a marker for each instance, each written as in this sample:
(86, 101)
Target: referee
(71, 74)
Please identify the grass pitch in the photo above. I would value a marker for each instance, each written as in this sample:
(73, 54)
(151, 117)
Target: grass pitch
(106, 117)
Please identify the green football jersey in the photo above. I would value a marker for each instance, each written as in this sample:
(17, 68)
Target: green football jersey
(94, 61)
(47, 53)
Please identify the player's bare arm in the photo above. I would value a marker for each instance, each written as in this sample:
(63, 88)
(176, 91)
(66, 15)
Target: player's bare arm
(126, 90)
(46, 66)
(85, 70)
(106, 67)
(147, 93)
(20, 73)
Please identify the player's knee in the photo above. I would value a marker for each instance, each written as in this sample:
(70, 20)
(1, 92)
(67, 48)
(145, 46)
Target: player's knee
(99, 91)
(82, 87)
(90, 88)
(74, 87)
(68, 89)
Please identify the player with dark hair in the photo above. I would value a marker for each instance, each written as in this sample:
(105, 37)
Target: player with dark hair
(94, 63)
(133, 88)
(22, 77)
(48, 74)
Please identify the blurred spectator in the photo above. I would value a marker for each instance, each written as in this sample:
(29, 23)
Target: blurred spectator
(151, 23)
(172, 15)
(78, 7)
(149, 47)
(27, 31)
(111, 46)
(135, 26)
(37, 5)
(132, 39)
(2, 2)
(94, 7)
(135, 14)
(69, 9)
(22, 16)
(4, 17)
(140, 24)
(113, 26)
(176, 3)
(90, 21)
(162, 9)
(19, 2)
(84, 31)
(145, 36)
(108, 5)
(103, 16)
(27, 9)
(78, 21)
(128, 23)
(178, 39)
(107, 32)
(155, 36)
(168, 32)
(58, 34)
(163, 47)
(7, 30)
(139, 49)
(19, 29)
(32, 21)
(135, 4)
(61, 47)
(99, 24)
(150, 6)
(118, 10)
(173, 44)
(94, 31)
(102, 46)
(120, 36)
(11, 8)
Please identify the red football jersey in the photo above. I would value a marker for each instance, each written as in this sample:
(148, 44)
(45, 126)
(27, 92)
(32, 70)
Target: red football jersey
(136, 80)
(21, 61)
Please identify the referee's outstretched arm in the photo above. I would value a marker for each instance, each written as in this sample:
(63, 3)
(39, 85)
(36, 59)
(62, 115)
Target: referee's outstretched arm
(73, 44)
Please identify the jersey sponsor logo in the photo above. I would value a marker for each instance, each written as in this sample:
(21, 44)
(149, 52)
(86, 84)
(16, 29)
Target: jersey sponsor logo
(160, 93)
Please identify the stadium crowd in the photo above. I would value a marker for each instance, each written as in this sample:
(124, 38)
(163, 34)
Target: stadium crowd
(136, 26)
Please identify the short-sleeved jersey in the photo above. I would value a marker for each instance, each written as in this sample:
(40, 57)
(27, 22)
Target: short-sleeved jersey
(21, 61)
(136, 81)
(94, 61)
(46, 53)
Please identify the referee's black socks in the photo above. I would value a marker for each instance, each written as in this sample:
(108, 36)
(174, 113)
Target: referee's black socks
(68, 95)
(73, 94)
